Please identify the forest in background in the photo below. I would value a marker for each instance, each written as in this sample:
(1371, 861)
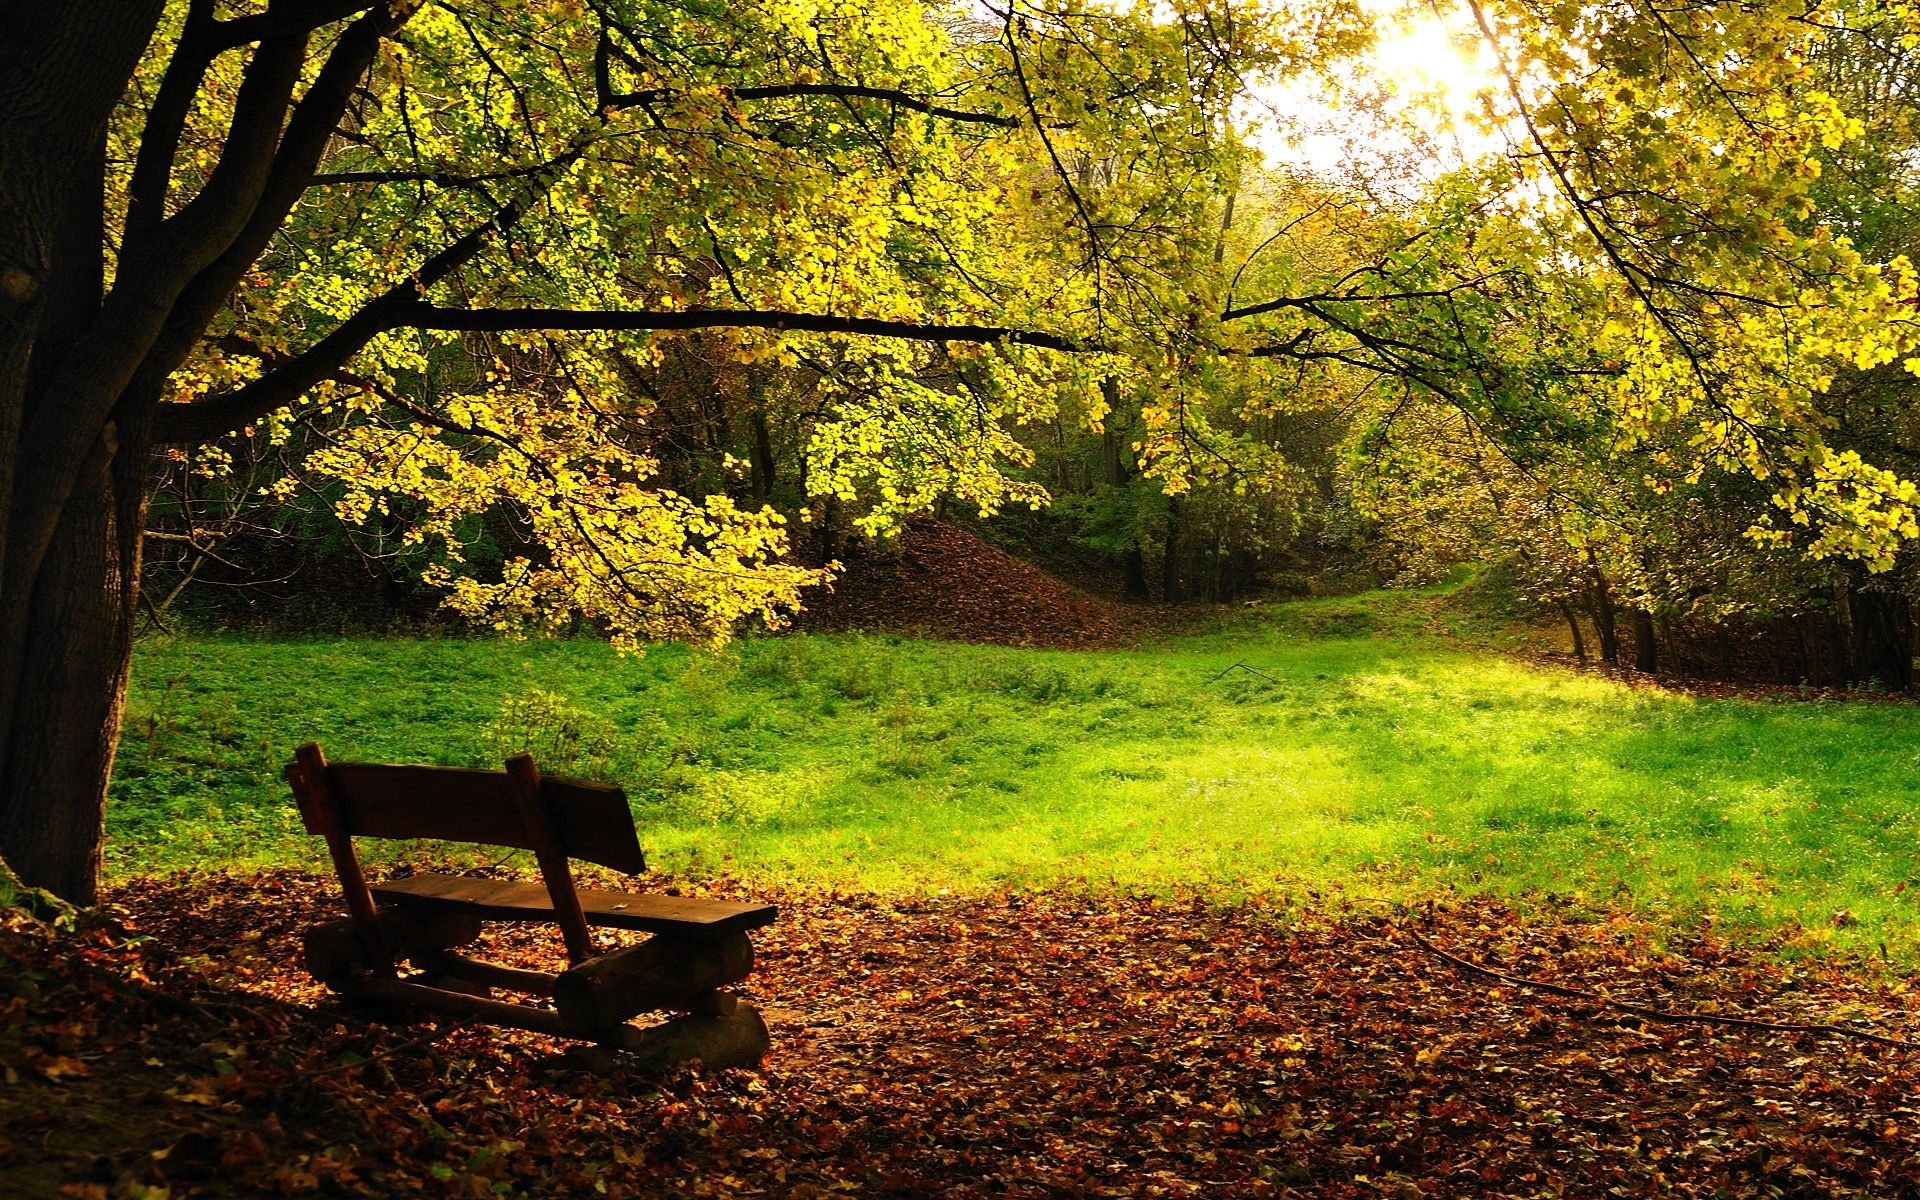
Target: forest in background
(1390, 454)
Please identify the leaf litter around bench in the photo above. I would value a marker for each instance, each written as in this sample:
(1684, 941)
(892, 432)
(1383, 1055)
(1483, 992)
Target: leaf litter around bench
(1039, 1045)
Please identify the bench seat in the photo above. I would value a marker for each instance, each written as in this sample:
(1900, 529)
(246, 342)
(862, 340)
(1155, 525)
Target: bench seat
(502, 900)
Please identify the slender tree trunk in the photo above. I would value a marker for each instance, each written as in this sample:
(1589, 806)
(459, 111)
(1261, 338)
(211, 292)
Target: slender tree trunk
(1645, 647)
(1573, 624)
(1115, 473)
(826, 534)
(762, 457)
(1113, 467)
(1170, 560)
(1880, 633)
(1601, 596)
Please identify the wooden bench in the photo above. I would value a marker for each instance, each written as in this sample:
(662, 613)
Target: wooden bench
(698, 946)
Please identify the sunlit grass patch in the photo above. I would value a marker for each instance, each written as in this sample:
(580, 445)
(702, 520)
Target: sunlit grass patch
(1279, 751)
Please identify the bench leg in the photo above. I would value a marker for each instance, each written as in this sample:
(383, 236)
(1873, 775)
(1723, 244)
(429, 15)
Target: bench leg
(333, 949)
(734, 1039)
(449, 983)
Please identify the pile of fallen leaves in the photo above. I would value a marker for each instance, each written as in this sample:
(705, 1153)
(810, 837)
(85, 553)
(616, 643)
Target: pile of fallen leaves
(945, 582)
(1017, 1045)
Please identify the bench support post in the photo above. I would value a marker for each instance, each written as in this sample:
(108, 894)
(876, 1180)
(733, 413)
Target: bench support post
(737, 1039)
(547, 851)
(307, 774)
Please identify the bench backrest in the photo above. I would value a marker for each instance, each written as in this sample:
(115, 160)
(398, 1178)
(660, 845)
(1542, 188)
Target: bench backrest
(455, 804)
(557, 819)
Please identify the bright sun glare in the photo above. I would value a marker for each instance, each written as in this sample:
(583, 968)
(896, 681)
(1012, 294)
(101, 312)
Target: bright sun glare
(1404, 113)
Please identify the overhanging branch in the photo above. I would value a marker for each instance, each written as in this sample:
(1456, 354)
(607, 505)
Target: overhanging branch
(501, 320)
(288, 17)
(397, 309)
(839, 91)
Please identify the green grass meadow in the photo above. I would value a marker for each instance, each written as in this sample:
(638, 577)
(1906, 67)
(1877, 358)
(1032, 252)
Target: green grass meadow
(1369, 751)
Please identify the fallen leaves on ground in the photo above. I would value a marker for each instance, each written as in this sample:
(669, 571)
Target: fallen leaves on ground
(1018, 1045)
(945, 582)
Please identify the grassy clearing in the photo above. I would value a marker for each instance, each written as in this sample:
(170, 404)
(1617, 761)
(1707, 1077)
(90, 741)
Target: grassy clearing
(1368, 750)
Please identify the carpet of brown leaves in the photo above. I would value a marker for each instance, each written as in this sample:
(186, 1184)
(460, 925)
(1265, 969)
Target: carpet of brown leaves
(1021, 1045)
(942, 581)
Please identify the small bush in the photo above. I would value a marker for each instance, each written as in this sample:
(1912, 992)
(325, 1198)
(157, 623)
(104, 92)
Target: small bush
(1028, 681)
(792, 659)
(563, 739)
(863, 676)
(706, 796)
(708, 676)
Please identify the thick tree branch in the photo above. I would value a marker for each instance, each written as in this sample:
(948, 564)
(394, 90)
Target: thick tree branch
(443, 179)
(305, 139)
(838, 91)
(495, 320)
(203, 228)
(186, 423)
(292, 17)
(202, 40)
(400, 309)
(1306, 303)
(167, 119)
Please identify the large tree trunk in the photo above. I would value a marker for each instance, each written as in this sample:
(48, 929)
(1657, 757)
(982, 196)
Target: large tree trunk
(71, 470)
(72, 682)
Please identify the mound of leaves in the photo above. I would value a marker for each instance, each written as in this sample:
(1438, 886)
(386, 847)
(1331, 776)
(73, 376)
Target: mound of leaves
(945, 582)
(1016, 1045)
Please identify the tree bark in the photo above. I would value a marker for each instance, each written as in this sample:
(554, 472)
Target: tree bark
(72, 684)
(1880, 636)
(72, 484)
(1600, 595)
(1646, 655)
(1170, 561)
